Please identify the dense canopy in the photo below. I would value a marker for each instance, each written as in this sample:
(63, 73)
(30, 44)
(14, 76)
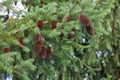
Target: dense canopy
(60, 39)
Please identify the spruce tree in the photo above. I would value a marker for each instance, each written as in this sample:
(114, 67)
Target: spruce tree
(60, 40)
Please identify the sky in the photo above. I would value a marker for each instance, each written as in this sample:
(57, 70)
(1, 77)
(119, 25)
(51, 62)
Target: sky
(15, 8)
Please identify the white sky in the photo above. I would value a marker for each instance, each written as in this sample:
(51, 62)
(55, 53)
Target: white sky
(16, 8)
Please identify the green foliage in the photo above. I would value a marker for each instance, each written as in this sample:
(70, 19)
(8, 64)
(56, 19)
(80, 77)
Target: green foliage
(71, 58)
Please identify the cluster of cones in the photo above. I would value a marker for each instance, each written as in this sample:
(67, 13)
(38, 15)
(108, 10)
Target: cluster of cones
(40, 24)
(40, 49)
(83, 20)
(44, 52)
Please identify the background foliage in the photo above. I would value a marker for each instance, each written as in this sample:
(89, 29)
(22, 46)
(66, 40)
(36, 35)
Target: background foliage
(76, 55)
